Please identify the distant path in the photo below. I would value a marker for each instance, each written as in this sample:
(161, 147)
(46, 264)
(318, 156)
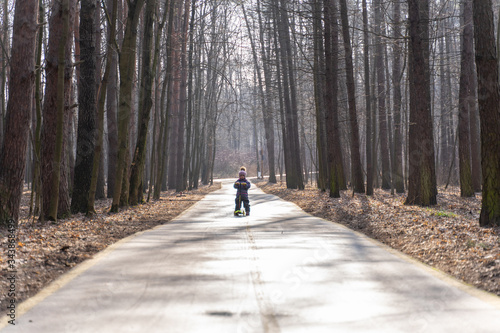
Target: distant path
(279, 270)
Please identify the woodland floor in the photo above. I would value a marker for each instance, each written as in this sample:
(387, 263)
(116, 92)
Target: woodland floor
(47, 250)
(446, 236)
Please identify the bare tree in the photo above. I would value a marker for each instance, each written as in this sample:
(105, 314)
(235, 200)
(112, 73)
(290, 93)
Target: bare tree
(489, 110)
(127, 70)
(422, 173)
(466, 101)
(356, 167)
(87, 109)
(19, 107)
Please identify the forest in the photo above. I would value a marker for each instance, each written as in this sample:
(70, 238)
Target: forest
(125, 99)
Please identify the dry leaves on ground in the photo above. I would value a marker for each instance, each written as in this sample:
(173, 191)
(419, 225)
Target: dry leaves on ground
(47, 250)
(446, 236)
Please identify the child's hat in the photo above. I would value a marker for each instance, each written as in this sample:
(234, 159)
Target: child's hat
(243, 173)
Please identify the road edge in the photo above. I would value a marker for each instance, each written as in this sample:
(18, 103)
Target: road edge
(67, 277)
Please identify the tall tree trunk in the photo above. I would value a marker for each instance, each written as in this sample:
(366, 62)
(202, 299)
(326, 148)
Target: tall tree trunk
(489, 110)
(397, 74)
(50, 114)
(57, 161)
(368, 103)
(319, 86)
(127, 70)
(189, 156)
(356, 167)
(111, 111)
(422, 173)
(331, 100)
(87, 110)
(146, 103)
(102, 97)
(183, 34)
(19, 107)
(381, 93)
(294, 173)
(101, 181)
(268, 108)
(466, 101)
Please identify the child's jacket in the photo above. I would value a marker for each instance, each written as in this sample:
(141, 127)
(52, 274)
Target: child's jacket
(242, 185)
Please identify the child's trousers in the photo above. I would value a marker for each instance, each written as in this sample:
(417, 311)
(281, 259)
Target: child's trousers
(246, 204)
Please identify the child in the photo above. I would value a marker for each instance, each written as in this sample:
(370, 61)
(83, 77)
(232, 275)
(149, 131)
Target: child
(242, 185)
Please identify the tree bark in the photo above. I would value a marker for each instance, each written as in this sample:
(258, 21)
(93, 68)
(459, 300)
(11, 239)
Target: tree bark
(294, 178)
(146, 103)
(422, 173)
(58, 151)
(397, 74)
(19, 107)
(368, 103)
(87, 109)
(335, 165)
(489, 110)
(381, 93)
(127, 70)
(111, 111)
(356, 167)
(466, 101)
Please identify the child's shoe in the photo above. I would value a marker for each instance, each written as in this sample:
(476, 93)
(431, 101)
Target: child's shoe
(236, 213)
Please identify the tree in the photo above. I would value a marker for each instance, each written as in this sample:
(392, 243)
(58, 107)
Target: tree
(111, 111)
(422, 173)
(100, 110)
(127, 69)
(87, 109)
(49, 110)
(368, 104)
(397, 74)
(335, 167)
(146, 103)
(466, 102)
(356, 168)
(489, 110)
(381, 93)
(294, 177)
(19, 107)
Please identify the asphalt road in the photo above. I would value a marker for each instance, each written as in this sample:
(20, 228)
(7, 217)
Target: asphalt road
(278, 270)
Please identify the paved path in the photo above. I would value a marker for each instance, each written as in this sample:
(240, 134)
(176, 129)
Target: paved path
(279, 270)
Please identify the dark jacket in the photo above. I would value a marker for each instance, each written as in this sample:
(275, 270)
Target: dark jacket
(242, 185)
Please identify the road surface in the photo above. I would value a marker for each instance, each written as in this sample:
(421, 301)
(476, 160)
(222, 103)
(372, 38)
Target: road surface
(278, 270)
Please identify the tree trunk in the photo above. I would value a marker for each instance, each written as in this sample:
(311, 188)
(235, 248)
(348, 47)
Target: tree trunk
(489, 110)
(466, 102)
(127, 70)
(381, 93)
(3, 70)
(146, 103)
(267, 111)
(19, 107)
(319, 86)
(331, 100)
(87, 110)
(52, 213)
(102, 98)
(294, 176)
(356, 167)
(111, 107)
(368, 104)
(397, 74)
(422, 173)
